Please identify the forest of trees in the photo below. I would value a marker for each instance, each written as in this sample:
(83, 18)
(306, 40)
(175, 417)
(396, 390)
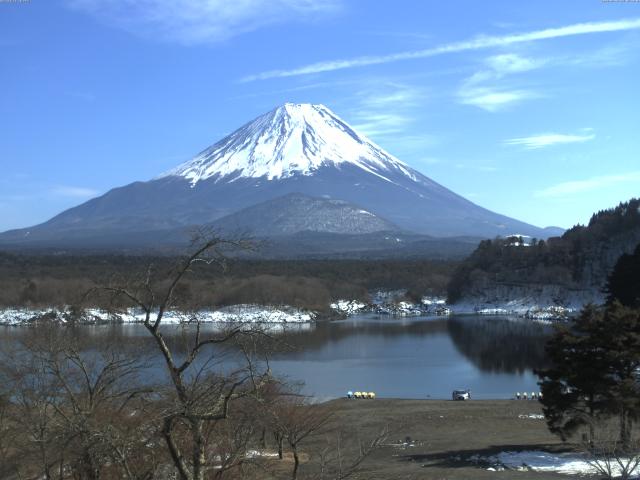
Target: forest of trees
(54, 280)
(581, 258)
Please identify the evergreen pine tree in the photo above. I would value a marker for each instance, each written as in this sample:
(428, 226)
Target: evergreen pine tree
(624, 282)
(594, 372)
(572, 387)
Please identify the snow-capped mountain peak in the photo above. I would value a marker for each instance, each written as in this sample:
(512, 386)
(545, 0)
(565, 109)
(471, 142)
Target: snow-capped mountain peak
(293, 139)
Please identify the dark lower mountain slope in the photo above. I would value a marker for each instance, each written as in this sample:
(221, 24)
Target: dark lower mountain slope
(380, 245)
(168, 203)
(295, 212)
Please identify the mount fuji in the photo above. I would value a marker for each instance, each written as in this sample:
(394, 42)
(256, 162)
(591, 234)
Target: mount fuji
(299, 149)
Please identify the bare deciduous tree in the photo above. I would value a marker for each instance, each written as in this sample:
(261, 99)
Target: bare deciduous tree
(77, 413)
(610, 456)
(337, 464)
(201, 390)
(294, 422)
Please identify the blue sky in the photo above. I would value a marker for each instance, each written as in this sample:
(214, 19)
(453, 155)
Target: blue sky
(529, 109)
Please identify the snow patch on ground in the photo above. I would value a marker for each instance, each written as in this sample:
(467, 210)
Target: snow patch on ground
(539, 302)
(522, 307)
(348, 307)
(234, 314)
(390, 303)
(532, 416)
(393, 302)
(260, 454)
(540, 461)
(426, 300)
(19, 316)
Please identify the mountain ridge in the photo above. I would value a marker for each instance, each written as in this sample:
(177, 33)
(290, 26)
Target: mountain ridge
(293, 148)
(295, 212)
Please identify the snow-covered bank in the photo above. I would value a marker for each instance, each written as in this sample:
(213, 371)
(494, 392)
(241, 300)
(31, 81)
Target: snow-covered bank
(349, 307)
(535, 308)
(387, 303)
(233, 314)
(541, 302)
(517, 308)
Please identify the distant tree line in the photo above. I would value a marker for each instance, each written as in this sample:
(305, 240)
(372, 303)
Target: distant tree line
(53, 280)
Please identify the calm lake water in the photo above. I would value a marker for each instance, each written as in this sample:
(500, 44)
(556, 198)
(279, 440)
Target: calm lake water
(416, 357)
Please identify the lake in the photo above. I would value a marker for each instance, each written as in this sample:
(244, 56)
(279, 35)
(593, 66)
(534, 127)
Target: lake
(402, 357)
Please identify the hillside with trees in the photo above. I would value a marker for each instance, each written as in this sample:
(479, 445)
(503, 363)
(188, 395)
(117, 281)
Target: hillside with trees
(575, 265)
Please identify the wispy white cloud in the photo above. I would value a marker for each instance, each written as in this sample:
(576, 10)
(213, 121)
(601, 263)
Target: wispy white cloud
(613, 55)
(487, 89)
(400, 96)
(477, 43)
(507, 63)
(548, 139)
(490, 89)
(199, 21)
(380, 124)
(385, 108)
(588, 185)
(70, 191)
(387, 112)
(493, 100)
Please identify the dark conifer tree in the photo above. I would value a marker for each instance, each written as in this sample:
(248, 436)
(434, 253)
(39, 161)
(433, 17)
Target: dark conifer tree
(572, 388)
(594, 371)
(624, 282)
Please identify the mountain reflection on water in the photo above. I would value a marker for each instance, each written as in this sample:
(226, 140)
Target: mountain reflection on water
(499, 344)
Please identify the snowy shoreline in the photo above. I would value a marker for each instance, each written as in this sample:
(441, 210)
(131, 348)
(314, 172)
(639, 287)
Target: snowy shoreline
(523, 308)
(517, 309)
(382, 303)
(252, 314)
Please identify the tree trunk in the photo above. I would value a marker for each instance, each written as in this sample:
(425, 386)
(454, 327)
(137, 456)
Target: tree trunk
(174, 451)
(91, 471)
(592, 432)
(624, 429)
(279, 439)
(263, 440)
(199, 459)
(296, 462)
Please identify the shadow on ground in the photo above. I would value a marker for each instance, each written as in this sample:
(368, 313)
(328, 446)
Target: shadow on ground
(477, 457)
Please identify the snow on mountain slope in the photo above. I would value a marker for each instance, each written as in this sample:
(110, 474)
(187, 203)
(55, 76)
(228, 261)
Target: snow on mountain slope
(292, 139)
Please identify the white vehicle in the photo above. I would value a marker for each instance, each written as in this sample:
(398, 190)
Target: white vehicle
(461, 395)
